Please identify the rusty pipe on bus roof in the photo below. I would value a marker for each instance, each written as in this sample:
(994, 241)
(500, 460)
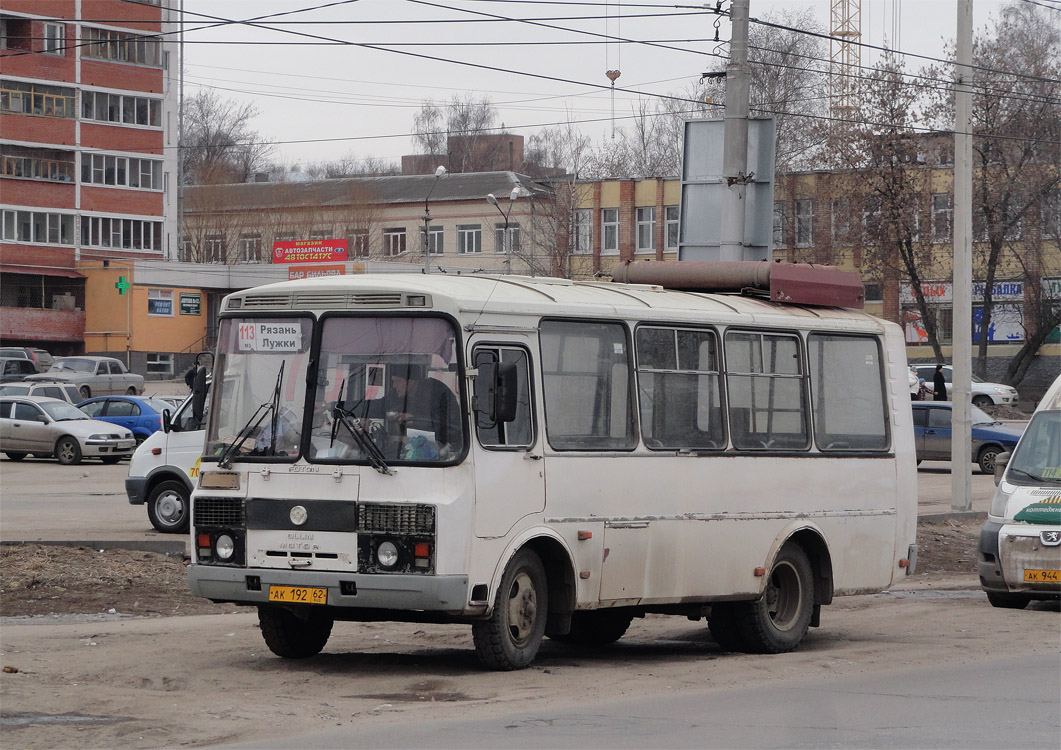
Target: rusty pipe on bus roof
(792, 283)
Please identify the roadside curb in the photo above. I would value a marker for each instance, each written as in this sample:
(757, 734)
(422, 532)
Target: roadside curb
(170, 547)
(955, 515)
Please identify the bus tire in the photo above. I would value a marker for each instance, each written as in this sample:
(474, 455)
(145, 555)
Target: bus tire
(294, 636)
(777, 622)
(600, 627)
(724, 627)
(510, 638)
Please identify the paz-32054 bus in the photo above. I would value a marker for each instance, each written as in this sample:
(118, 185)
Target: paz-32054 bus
(539, 457)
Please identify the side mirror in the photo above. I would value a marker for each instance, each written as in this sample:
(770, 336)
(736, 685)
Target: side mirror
(1001, 462)
(496, 391)
(167, 421)
(199, 395)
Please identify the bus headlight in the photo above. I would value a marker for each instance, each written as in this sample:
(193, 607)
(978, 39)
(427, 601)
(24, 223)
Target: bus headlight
(225, 547)
(387, 554)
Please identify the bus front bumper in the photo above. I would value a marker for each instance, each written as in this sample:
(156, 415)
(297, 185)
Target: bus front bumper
(443, 594)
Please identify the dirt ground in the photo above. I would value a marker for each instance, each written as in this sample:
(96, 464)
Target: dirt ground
(51, 580)
(142, 678)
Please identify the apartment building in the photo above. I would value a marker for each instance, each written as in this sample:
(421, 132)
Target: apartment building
(88, 159)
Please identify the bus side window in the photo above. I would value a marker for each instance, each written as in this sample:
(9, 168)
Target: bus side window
(764, 384)
(519, 433)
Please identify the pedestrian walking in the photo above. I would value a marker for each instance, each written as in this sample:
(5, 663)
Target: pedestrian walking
(939, 385)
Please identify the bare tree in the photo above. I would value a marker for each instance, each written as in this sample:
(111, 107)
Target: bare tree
(218, 144)
(463, 129)
(1016, 160)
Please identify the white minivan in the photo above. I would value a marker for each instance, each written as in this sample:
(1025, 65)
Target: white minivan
(1020, 544)
(165, 467)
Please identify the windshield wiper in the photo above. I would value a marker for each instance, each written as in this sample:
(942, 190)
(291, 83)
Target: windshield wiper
(225, 461)
(368, 446)
(1027, 474)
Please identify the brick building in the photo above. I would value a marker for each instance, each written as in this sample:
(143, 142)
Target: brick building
(88, 170)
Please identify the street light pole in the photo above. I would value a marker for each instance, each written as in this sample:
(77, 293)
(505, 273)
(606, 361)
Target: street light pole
(506, 240)
(427, 219)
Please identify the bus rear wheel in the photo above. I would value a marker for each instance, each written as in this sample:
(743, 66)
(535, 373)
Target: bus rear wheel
(777, 622)
(511, 637)
(294, 635)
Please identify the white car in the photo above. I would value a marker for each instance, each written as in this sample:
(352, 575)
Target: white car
(49, 427)
(1020, 543)
(165, 468)
(984, 393)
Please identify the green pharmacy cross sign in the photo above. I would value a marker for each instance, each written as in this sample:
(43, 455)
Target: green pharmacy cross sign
(122, 285)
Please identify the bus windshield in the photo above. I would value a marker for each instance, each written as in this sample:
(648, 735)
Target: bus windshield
(387, 390)
(261, 394)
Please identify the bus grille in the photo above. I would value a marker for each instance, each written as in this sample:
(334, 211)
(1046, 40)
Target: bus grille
(267, 302)
(373, 518)
(378, 298)
(219, 511)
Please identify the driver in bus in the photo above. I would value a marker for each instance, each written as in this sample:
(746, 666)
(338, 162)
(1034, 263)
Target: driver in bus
(416, 401)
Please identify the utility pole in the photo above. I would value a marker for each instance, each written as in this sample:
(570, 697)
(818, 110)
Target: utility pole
(962, 283)
(735, 138)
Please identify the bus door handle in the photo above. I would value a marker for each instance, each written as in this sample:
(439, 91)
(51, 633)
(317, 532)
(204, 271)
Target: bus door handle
(299, 562)
(531, 457)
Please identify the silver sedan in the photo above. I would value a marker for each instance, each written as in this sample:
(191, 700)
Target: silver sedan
(50, 427)
(94, 376)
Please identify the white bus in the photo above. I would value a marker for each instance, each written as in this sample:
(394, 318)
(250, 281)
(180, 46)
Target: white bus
(540, 457)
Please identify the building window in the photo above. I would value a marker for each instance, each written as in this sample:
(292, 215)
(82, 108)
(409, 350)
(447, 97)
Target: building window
(779, 223)
(583, 231)
(127, 234)
(942, 216)
(214, 249)
(469, 239)
(158, 363)
(127, 110)
(36, 164)
(54, 39)
(39, 227)
(394, 240)
(160, 303)
(121, 171)
(434, 240)
(804, 223)
(513, 238)
(358, 243)
(840, 220)
(119, 46)
(670, 214)
(609, 230)
(250, 248)
(646, 229)
(318, 235)
(36, 99)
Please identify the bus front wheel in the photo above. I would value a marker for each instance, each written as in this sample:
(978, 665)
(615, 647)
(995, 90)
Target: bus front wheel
(777, 622)
(294, 635)
(510, 638)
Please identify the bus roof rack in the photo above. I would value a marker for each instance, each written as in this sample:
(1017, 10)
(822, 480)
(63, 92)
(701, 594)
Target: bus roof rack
(789, 283)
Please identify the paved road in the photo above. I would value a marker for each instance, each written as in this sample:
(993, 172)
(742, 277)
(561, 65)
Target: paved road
(986, 703)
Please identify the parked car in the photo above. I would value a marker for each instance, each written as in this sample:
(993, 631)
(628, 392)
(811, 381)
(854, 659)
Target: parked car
(142, 416)
(1020, 543)
(165, 468)
(984, 393)
(51, 389)
(41, 359)
(94, 376)
(932, 434)
(50, 427)
(15, 368)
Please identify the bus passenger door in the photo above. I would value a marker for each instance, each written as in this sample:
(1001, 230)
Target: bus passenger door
(509, 470)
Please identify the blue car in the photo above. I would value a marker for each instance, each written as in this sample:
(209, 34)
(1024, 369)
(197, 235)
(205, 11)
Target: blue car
(932, 434)
(141, 415)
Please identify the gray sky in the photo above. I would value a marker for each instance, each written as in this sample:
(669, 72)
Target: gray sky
(366, 98)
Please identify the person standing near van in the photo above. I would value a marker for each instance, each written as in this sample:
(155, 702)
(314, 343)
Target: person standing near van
(939, 385)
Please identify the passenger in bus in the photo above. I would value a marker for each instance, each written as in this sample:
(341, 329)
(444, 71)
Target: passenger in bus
(416, 401)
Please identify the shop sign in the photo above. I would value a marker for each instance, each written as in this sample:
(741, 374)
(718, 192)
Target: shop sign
(191, 303)
(933, 291)
(1000, 290)
(314, 271)
(310, 251)
(159, 306)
